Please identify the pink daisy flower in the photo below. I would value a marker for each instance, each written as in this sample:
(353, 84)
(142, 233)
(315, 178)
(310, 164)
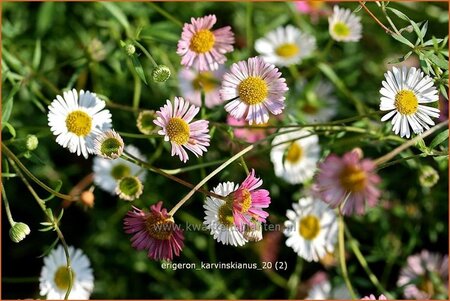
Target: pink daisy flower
(248, 202)
(154, 231)
(253, 88)
(249, 135)
(202, 48)
(348, 179)
(175, 120)
(425, 276)
(372, 297)
(314, 8)
(191, 83)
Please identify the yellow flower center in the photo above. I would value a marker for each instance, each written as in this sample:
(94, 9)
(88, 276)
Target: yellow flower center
(406, 102)
(426, 285)
(253, 90)
(62, 278)
(310, 109)
(159, 227)
(79, 123)
(309, 227)
(205, 81)
(119, 171)
(202, 41)
(287, 50)
(245, 200)
(353, 178)
(341, 29)
(316, 4)
(178, 130)
(294, 153)
(225, 216)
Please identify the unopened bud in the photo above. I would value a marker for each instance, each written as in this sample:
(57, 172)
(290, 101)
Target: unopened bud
(161, 73)
(32, 142)
(130, 49)
(428, 176)
(18, 232)
(87, 198)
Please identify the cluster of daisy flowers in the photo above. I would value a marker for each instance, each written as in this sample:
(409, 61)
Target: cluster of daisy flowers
(250, 92)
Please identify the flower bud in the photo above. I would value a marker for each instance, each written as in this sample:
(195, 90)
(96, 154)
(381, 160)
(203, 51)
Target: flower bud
(32, 142)
(19, 231)
(145, 122)
(428, 176)
(109, 145)
(87, 198)
(161, 73)
(129, 188)
(130, 49)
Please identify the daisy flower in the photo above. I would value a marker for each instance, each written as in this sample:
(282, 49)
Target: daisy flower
(76, 118)
(54, 279)
(319, 104)
(155, 232)
(372, 297)
(191, 83)
(295, 154)
(404, 94)
(248, 202)
(349, 179)
(253, 88)
(285, 46)
(344, 26)
(219, 217)
(175, 120)
(425, 276)
(109, 145)
(202, 48)
(108, 172)
(311, 228)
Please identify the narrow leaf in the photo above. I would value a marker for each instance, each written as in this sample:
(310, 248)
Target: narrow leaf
(439, 139)
(402, 39)
(139, 69)
(118, 14)
(37, 55)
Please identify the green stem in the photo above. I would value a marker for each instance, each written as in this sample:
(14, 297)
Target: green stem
(294, 280)
(147, 54)
(20, 279)
(129, 157)
(244, 165)
(342, 256)
(276, 278)
(7, 209)
(294, 72)
(212, 174)
(398, 150)
(193, 167)
(355, 248)
(166, 14)
(138, 136)
(10, 155)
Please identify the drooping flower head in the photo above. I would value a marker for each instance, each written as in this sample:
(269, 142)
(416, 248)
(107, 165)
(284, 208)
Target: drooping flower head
(311, 228)
(202, 48)
(219, 217)
(192, 83)
(425, 276)
(285, 46)
(253, 88)
(248, 202)
(295, 154)
(54, 280)
(344, 26)
(108, 172)
(76, 118)
(175, 119)
(155, 232)
(109, 145)
(405, 93)
(349, 179)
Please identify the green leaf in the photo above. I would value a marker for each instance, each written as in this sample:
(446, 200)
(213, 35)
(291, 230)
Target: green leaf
(138, 67)
(424, 29)
(443, 90)
(118, 14)
(37, 55)
(49, 249)
(417, 30)
(402, 39)
(11, 129)
(7, 104)
(57, 188)
(398, 13)
(440, 62)
(439, 139)
(45, 18)
(46, 229)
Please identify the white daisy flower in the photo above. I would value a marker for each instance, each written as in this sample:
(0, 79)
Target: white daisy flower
(77, 119)
(403, 93)
(311, 228)
(285, 46)
(54, 279)
(344, 26)
(219, 217)
(108, 172)
(320, 105)
(295, 154)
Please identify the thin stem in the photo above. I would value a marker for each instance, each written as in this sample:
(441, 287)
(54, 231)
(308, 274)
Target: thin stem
(375, 18)
(355, 248)
(138, 136)
(294, 280)
(249, 26)
(276, 278)
(7, 209)
(194, 167)
(244, 165)
(10, 155)
(129, 157)
(398, 150)
(166, 14)
(147, 54)
(384, 165)
(216, 171)
(342, 257)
